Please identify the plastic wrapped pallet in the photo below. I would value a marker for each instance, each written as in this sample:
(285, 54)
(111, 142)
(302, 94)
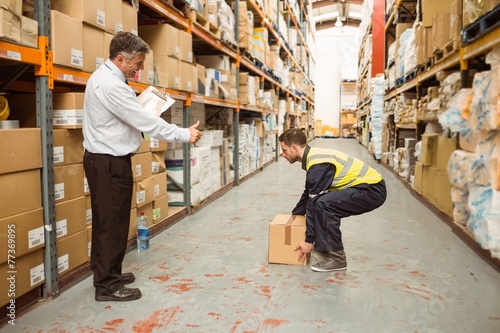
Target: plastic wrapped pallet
(484, 107)
(410, 55)
(404, 40)
(461, 211)
(226, 22)
(484, 222)
(456, 119)
(459, 169)
(486, 164)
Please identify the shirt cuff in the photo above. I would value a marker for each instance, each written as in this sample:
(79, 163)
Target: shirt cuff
(184, 135)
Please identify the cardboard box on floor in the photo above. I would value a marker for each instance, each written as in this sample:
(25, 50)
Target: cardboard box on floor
(285, 232)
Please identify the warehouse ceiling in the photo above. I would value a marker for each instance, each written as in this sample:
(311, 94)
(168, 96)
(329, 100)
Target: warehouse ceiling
(333, 13)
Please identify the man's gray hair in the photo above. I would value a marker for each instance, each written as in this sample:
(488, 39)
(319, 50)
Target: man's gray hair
(128, 45)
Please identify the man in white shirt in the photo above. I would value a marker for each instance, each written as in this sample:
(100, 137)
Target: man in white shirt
(112, 124)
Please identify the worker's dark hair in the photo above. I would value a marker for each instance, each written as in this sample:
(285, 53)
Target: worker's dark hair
(293, 136)
(128, 45)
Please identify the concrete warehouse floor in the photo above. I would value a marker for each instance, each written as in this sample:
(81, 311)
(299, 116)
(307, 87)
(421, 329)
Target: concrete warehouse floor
(407, 272)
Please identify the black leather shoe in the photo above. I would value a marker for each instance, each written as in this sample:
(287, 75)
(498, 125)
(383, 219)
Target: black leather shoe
(121, 295)
(128, 278)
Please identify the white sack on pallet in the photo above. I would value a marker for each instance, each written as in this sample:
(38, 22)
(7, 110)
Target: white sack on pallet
(403, 46)
(484, 107)
(456, 119)
(486, 164)
(461, 211)
(226, 22)
(484, 203)
(410, 56)
(459, 169)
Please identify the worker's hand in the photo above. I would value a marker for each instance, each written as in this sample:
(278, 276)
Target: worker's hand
(305, 250)
(194, 134)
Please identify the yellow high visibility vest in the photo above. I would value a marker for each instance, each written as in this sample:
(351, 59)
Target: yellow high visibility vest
(350, 171)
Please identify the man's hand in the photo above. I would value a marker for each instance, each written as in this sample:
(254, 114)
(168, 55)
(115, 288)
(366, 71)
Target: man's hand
(195, 135)
(305, 250)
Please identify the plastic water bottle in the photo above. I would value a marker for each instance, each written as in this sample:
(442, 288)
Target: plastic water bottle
(142, 232)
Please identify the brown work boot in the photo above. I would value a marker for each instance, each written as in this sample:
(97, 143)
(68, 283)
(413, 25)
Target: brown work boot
(334, 261)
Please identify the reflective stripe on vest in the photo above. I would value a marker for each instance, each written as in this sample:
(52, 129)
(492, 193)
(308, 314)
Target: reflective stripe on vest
(349, 170)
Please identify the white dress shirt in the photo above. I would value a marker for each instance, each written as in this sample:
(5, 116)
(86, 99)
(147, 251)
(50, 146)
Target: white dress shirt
(113, 119)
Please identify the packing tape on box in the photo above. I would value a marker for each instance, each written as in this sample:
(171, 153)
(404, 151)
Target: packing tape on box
(288, 230)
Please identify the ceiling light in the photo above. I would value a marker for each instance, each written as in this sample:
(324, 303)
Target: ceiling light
(338, 23)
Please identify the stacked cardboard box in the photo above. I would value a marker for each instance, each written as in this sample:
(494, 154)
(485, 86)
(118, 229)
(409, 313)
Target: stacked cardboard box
(21, 213)
(15, 26)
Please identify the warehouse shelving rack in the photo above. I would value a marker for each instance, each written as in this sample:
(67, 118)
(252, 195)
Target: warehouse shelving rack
(462, 61)
(48, 76)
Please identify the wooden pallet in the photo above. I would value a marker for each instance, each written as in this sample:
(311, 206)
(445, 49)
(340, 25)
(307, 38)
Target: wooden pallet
(180, 5)
(426, 66)
(245, 53)
(446, 51)
(200, 21)
(228, 42)
(481, 26)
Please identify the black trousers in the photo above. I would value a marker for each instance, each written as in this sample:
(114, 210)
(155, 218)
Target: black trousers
(325, 211)
(111, 184)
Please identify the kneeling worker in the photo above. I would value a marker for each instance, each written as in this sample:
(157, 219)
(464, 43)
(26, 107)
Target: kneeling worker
(337, 186)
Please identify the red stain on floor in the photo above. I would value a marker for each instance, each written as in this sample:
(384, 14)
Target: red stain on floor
(264, 271)
(493, 318)
(235, 326)
(274, 322)
(416, 273)
(235, 218)
(243, 280)
(158, 320)
(180, 288)
(265, 291)
(307, 286)
(112, 325)
(217, 316)
(247, 239)
(108, 307)
(192, 325)
(214, 275)
(160, 278)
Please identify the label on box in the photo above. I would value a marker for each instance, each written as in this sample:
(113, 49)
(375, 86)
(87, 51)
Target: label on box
(77, 57)
(98, 62)
(62, 263)
(176, 82)
(157, 190)
(151, 76)
(59, 191)
(68, 117)
(118, 27)
(189, 86)
(177, 51)
(37, 274)
(58, 154)
(88, 216)
(156, 213)
(89, 247)
(86, 187)
(36, 237)
(155, 167)
(101, 18)
(61, 228)
(140, 196)
(154, 143)
(138, 170)
(190, 56)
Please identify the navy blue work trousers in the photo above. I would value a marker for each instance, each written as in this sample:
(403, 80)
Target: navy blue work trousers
(325, 211)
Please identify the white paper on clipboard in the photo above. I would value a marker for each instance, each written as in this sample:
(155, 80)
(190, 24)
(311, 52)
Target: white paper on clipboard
(154, 100)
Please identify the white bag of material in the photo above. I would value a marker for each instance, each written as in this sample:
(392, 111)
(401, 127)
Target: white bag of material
(488, 156)
(461, 211)
(484, 203)
(410, 56)
(484, 106)
(459, 169)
